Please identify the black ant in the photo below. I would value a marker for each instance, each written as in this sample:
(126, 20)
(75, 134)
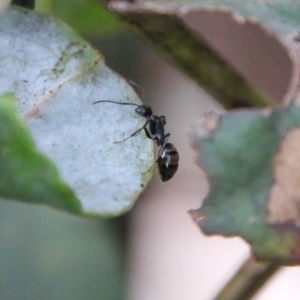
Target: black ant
(168, 157)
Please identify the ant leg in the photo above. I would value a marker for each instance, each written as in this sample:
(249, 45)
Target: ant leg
(149, 168)
(163, 118)
(136, 132)
(148, 135)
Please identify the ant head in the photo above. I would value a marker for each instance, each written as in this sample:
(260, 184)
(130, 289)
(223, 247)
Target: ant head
(144, 110)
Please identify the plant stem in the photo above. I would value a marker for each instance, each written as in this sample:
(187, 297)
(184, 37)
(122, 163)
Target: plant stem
(248, 280)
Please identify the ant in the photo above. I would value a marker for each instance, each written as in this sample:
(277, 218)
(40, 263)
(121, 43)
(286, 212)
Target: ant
(154, 127)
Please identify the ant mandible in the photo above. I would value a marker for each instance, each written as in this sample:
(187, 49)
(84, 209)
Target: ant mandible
(168, 157)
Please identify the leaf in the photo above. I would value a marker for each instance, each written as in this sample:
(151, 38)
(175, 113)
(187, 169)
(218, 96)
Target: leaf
(93, 21)
(245, 154)
(56, 76)
(176, 30)
(55, 251)
(25, 173)
(252, 163)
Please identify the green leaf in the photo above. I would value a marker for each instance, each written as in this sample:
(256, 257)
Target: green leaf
(56, 76)
(87, 17)
(252, 164)
(176, 30)
(25, 173)
(48, 255)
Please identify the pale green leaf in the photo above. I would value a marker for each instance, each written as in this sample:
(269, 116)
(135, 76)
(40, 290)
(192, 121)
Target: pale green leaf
(56, 76)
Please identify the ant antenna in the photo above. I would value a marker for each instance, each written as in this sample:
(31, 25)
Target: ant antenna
(137, 86)
(125, 103)
(122, 103)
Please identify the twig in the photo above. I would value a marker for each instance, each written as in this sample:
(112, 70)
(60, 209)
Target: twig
(248, 280)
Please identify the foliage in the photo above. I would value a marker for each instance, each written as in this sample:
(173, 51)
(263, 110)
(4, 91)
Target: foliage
(55, 88)
(249, 156)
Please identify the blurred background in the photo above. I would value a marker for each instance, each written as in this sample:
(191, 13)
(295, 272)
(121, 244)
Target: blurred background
(155, 252)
